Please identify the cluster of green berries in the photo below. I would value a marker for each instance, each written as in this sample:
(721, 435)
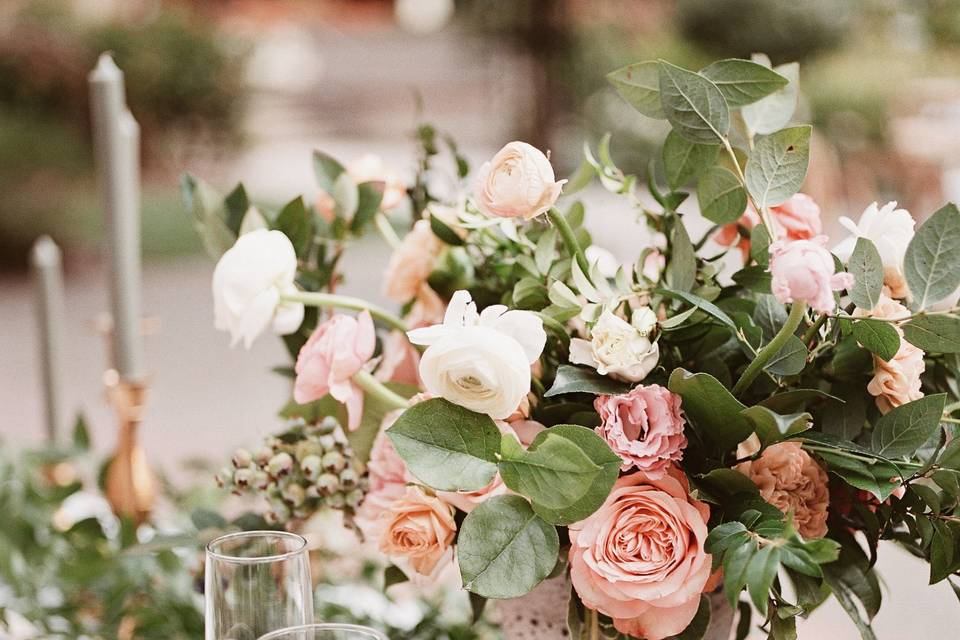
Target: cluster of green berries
(306, 468)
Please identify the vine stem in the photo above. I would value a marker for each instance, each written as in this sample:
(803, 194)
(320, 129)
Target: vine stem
(377, 389)
(569, 239)
(317, 299)
(797, 312)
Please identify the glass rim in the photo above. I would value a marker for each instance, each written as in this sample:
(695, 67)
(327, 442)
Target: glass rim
(321, 626)
(300, 546)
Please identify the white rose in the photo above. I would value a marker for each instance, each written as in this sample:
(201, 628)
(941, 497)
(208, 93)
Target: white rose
(891, 230)
(480, 361)
(517, 183)
(618, 348)
(248, 284)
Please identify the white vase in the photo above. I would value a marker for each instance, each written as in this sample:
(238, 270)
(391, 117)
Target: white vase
(542, 614)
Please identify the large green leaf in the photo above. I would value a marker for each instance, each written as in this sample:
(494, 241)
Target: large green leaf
(777, 165)
(571, 379)
(504, 549)
(773, 112)
(720, 195)
(693, 105)
(714, 412)
(761, 571)
(446, 446)
(685, 161)
(772, 427)
(770, 315)
(599, 452)
(901, 431)
(681, 271)
(790, 359)
(639, 84)
(934, 334)
(878, 477)
(878, 337)
(295, 221)
(554, 473)
(742, 82)
(326, 170)
(932, 261)
(867, 270)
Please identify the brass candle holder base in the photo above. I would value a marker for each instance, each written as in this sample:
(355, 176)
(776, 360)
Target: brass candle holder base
(130, 484)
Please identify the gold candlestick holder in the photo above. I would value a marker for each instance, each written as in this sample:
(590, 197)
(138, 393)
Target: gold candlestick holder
(131, 488)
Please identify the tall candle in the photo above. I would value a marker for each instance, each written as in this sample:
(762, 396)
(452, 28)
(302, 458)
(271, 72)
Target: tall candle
(116, 138)
(47, 264)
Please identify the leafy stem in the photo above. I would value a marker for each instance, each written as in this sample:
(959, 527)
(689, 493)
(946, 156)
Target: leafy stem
(317, 299)
(569, 239)
(797, 311)
(378, 390)
(764, 214)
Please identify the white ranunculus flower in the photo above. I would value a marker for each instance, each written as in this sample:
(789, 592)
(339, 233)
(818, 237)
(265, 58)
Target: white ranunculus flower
(891, 230)
(618, 348)
(248, 283)
(480, 361)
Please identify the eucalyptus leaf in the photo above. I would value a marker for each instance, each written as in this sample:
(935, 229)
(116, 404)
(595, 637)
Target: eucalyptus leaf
(772, 427)
(685, 161)
(571, 379)
(867, 269)
(326, 170)
(760, 245)
(774, 111)
(790, 359)
(777, 165)
(639, 84)
(743, 82)
(693, 105)
(903, 429)
(554, 473)
(761, 571)
(681, 271)
(934, 334)
(931, 263)
(720, 195)
(297, 224)
(878, 337)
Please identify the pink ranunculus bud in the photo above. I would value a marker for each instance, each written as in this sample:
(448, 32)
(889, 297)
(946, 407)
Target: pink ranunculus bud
(517, 183)
(804, 271)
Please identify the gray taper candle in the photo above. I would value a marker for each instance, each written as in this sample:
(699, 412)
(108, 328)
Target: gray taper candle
(47, 264)
(116, 138)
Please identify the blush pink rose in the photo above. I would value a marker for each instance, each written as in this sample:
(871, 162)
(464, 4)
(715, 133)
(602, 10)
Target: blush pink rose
(792, 481)
(644, 427)
(796, 219)
(338, 349)
(804, 271)
(640, 557)
(517, 183)
(411, 263)
(419, 528)
(400, 360)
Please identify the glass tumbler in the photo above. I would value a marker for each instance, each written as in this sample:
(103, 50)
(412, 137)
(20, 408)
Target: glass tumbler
(326, 632)
(256, 582)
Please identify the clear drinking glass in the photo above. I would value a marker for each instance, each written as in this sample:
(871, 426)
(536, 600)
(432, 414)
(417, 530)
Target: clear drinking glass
(256, 582)
(326, 632)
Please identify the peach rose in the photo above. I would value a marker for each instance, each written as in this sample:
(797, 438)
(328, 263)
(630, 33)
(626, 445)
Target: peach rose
(400, 360)
(790, 480)
(419, 528)
(896, 381)
(729, 234)
(411, 263)
(640, 557)
(796, 219)
(336, 350)
(517, 183)
(644, 427)
(803, 270)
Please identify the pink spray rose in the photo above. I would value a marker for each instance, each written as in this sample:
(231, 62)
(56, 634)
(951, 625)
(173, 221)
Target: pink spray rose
(896, 381)
(803, 270)
(517, 183)
(640, 557)
(326, 364)
(400, 360)
(644, 427)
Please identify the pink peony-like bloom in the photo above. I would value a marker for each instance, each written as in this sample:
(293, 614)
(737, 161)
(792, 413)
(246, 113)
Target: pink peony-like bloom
(804, 271)
(517, 183)
(400, 360)
(411, 263)
(790, 480)
(644, 427)
(640, 557)
(896, 381)
(419, 528)
(336, 350)
(796, 219)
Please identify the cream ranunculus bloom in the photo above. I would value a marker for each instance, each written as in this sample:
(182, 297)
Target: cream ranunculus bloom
(248, 283)
(480, 361)
(618, 348)
(891, 230)
(517, 183)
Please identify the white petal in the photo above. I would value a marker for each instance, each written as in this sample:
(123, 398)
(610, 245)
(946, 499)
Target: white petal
(526, 328)
(461, 312)
(428, 335)
(581, 352)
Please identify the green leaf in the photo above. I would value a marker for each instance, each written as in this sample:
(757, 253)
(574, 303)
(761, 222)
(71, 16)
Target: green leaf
(444, 232)
(504, 549)
(878, 477)
(702, 304)
(296, 223)
(555, 473)
(847, 581)
(790, 359)
(760, 245)
(777, 165)
(769, 315)
(639, 84)
(81, 434)
(600, 454)
(901, 431)
(447, 447)
(932, 261)
(236, 205)
(681, 272)
(714, 412)
(693, 105)
(742, 82)
(735, 563)
(760, 574)
(209, 217)
(771, 427)
(721, 197)
(950, 458)
(755, 278)
(369, 197)
(393, 575)
(773, 112)
(934, 334)
(797, 399)
(941, 551)
(571, 379)
(867, 270)
(877, 336)
(327, 171)
(685, 161)
(725, 536)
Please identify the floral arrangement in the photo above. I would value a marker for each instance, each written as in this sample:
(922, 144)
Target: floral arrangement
(746, 407)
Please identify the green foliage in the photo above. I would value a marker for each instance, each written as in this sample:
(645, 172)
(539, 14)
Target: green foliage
(772, 113)
(713, 411)
(778, 165)
(554, 473)
(639, 84)
(721, 196)
(685, 161)
(901, 431)
(743, 82)
(571, 379)
(932, 261)
(867, 270)
(877, 336)
(693, 105)
(934, 334)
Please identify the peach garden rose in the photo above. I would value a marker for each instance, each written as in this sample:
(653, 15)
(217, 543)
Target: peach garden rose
(517, 183)
(411, 263)
(419, 528)
(896, 381)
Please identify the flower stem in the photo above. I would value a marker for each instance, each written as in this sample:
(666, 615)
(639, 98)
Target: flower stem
(569, 239)
(765, 354)
(379, 390)
(593, 619)
(762, 212)
(814, 329)
(383, 226)
(317, 299)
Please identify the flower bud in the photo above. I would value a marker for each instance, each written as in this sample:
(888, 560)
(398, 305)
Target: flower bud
(328, 483)
(260, 480)
(349, 478)
(337, 501)
(294, 494)
(333, 461)
(280, 465)
(242, 458)
(263, 456)
(224, 477)
(328, 425)
(354, 498)
(327, 442)
(243, 477)
(310, 466)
